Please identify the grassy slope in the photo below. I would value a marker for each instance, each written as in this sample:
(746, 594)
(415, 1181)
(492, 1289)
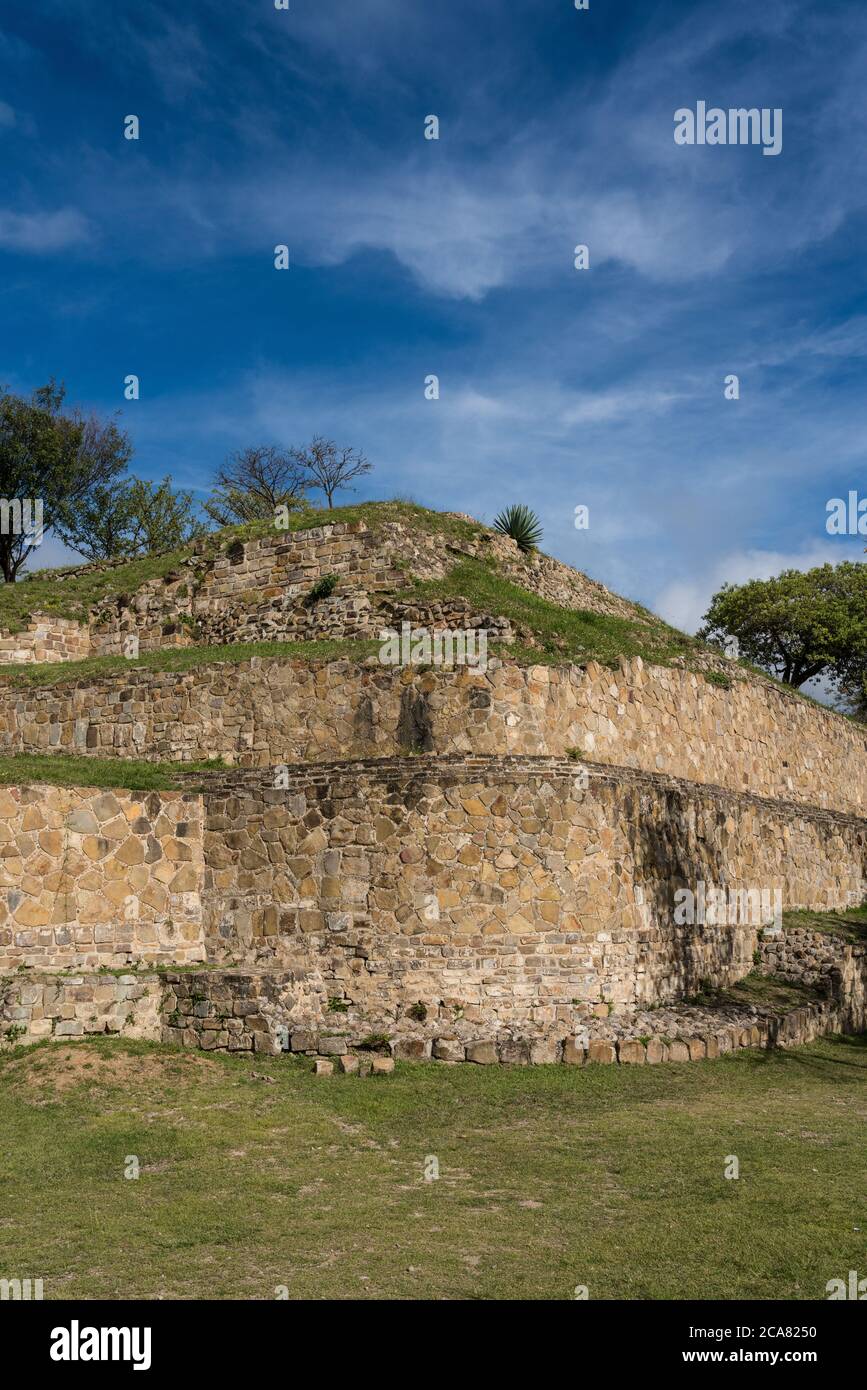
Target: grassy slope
(851, 924)
(184, 659)
(550, 1177)
(562, 634)
(64, 770)
(44, 591)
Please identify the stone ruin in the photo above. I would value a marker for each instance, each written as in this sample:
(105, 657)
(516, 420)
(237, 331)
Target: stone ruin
(456, 864)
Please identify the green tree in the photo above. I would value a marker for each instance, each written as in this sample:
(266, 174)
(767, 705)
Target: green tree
(99, 527)
(253, 483)
(161, 518)
(798, 625)
(853, 690)
(132, 518)
(53, 458)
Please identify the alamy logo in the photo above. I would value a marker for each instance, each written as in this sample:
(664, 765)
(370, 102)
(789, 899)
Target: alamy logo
(22, 518)
(76, 1343)
(856, 1288)
(416, 646)
(737, 126)
(20, 1289)
(727, 907)
(847, 517)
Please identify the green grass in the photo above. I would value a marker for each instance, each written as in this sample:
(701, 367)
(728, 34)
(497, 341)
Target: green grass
(185, 659)
(850, 924)
(45, 591)
(562, 634)
(62, 770)
(550, 1177)
(768, 990)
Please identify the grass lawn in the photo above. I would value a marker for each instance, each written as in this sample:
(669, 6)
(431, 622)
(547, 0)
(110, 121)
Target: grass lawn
(66, 770)
(550, 1177)
(850, 924)
(42, 675)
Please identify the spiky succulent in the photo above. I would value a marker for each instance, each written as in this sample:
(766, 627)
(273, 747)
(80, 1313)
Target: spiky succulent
(521, 524)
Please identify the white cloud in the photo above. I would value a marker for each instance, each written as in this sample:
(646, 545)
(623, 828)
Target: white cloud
(43, 231)
(685, 601)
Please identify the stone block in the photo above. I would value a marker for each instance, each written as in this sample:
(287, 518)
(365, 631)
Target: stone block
(514, 1052)
(485, 1053)
(630, 1051)
(411, 1049)
(573, 1053)
(599, 1051)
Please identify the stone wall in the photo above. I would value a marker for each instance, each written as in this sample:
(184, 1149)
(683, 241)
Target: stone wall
(837, 967)
(91, 878)
(518, 893)
(76, 1006)
(499, 890)
(260, 590)
(752, 737)
(45, 639)
(254, 1011)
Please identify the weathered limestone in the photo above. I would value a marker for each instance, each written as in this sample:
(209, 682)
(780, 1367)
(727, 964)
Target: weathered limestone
(488, 899)
(45, 639)
(752, 738)
(91, 878)
(493, 890)
(494, 893)
(817, 958)
(75, 1006)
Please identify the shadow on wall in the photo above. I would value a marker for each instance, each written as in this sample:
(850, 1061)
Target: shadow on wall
(672, 852)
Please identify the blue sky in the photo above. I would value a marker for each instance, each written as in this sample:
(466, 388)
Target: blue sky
(455, 257)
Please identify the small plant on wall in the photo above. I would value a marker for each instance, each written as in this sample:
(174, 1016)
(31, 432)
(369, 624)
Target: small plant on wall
(322, 588)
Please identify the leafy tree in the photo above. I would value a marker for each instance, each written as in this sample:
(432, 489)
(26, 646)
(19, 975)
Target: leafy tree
(161, 519)
(253, 483)
(99, 527)
(133, 518)
(798, 625)
(853, 691)
(330, 468)
(52, 457)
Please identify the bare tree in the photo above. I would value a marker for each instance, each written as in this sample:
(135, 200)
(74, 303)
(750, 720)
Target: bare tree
(329, 467)
(252, 483)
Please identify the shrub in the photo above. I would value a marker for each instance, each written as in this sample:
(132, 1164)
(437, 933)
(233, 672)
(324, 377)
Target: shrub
(374, 1042)
(322, 588)
(521, 524)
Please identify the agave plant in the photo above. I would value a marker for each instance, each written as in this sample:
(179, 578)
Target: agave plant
(521, 524)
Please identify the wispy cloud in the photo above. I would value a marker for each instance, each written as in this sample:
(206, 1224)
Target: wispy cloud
(38, 232)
